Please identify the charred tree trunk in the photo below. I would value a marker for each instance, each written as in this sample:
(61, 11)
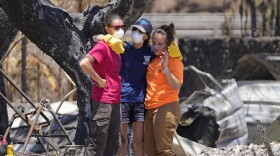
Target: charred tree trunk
(7, 34)
(67, 38)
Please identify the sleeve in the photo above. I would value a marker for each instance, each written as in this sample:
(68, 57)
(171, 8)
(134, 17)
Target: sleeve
(177, 69)
(99, 51)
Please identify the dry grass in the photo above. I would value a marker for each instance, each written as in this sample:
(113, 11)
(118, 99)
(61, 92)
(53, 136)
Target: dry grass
(44, 77)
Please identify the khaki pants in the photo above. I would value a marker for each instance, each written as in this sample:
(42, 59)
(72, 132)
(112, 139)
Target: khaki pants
(159, 128)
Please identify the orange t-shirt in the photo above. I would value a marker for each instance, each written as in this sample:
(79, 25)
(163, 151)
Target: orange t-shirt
(159, 92)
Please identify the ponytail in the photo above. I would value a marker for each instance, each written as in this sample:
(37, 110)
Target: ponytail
(169, 31)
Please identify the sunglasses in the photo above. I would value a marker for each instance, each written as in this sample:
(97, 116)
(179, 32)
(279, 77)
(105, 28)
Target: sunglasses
(117, 27)
(135, 29)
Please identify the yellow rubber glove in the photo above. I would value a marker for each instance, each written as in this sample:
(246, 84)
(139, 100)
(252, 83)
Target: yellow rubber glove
(174, 51)
(114, 43)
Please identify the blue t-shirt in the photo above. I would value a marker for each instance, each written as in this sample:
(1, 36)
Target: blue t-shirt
(133, 72)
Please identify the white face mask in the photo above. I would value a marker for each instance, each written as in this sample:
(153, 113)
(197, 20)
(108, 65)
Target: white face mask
(137, 37)
(119, 33)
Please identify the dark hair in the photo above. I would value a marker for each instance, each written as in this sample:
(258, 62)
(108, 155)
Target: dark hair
(109, 18)
(169, 31)
(146, 41)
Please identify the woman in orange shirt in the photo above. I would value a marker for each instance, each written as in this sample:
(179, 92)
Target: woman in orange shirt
(164, 79)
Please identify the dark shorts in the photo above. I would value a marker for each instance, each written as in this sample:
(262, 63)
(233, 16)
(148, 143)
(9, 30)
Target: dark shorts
(132, 112)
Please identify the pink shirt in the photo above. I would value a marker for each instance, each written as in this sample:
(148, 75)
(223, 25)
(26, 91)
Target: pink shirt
(107, 65)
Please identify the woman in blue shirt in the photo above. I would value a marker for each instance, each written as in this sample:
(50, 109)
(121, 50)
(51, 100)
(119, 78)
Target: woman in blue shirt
(135, 59)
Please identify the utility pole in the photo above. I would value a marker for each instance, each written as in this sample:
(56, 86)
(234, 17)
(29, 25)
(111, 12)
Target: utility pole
(23, 64)
(253, 17)
(277, 23)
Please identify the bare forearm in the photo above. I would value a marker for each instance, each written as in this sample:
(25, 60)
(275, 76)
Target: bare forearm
(91, 72)
(87, 68)
(97, 38)
(172, 80)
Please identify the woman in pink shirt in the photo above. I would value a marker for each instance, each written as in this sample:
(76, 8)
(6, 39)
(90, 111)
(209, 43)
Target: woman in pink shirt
(103, 65)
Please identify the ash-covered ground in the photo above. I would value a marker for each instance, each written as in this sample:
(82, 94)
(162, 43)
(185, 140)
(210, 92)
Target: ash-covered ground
(243, 150)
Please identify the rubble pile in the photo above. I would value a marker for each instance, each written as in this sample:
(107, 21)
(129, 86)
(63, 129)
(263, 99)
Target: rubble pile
(243, 150)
